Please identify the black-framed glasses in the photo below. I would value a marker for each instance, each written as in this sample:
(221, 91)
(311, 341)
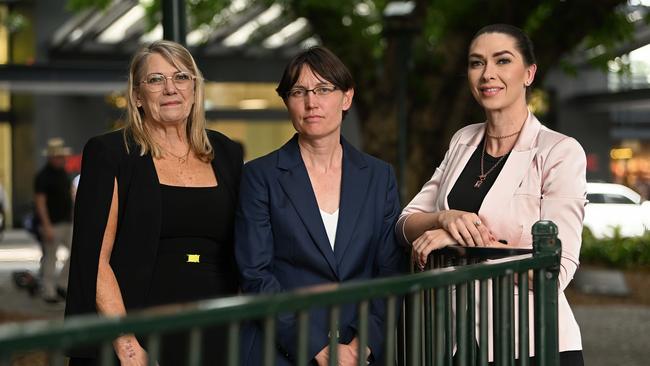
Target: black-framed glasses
(156, 82)
(302, 92)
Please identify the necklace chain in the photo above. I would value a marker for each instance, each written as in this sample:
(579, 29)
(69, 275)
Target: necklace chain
(182, 159)
(484, 174)
(502, 137)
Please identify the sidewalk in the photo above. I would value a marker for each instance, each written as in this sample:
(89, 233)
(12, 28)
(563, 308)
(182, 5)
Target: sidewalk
(19, 251)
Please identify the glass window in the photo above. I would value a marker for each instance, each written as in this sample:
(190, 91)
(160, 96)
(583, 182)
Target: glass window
(595, 198)
(617, 198)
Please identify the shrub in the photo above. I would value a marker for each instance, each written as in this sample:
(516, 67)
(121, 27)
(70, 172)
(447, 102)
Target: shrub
(616, 251)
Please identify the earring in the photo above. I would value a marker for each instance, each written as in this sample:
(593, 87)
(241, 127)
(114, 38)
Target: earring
(137, 103)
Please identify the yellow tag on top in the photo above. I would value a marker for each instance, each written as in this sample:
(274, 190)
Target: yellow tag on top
(193, 258)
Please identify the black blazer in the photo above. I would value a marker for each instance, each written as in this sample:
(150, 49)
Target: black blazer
(139, 215)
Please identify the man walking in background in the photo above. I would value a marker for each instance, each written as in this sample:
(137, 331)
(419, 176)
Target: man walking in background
(53, 204)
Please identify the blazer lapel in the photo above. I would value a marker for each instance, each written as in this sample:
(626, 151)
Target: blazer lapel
(296, 185)
(513, 172)
(354, 183)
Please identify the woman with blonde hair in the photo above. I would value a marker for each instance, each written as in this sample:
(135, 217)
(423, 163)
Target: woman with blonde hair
(155, 207)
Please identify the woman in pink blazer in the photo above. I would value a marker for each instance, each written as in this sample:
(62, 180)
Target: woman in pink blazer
(501, 176)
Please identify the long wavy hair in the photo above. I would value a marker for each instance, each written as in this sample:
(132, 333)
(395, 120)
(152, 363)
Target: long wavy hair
(137, 130)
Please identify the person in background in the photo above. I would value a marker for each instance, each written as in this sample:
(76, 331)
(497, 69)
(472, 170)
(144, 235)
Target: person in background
(500, 177)
(155, 209)
(53, 208)
(317, 211)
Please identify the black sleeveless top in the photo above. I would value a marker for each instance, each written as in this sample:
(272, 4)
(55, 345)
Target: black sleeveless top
(463, 196)
(195, 261)
(195, 257)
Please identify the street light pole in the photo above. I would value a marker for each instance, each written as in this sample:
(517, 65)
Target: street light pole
(174, 21)
(397, 15)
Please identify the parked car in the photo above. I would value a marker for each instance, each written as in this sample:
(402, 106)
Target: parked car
(614, 205)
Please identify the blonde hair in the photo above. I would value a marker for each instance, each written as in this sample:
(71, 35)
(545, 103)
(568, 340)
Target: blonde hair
(139, 131)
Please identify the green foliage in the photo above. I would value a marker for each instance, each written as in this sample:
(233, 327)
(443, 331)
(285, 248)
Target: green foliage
(14, 22)
(616, 251)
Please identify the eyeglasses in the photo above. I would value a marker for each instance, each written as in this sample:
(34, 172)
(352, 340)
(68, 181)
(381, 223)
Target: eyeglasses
(156, 82)
(302, 92)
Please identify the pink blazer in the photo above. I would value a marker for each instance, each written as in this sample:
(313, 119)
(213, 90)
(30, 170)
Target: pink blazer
(543, 178)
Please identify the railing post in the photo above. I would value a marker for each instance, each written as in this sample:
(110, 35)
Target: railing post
(545, 241)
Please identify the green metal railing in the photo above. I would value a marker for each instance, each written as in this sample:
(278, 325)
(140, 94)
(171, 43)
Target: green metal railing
(440, 323)
(427, 336)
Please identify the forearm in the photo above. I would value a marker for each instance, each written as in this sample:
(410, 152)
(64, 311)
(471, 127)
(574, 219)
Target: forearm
(415, 224)
(109, 300)
(40, 203)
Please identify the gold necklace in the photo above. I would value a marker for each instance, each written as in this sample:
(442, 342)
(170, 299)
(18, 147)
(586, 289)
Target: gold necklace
(502, 137)
(483, 175)
(182, 159)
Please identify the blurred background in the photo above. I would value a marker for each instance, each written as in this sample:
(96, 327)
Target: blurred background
(64, 64)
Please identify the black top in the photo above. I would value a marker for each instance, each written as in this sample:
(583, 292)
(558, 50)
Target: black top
(139, 215)
(55, 184)
(463, 196)
(206, 212)
(198, 222)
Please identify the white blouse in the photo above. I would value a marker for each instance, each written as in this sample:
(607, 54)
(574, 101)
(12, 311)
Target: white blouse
(330, 221)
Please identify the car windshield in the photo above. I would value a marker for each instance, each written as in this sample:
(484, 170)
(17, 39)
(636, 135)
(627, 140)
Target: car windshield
(608, 198)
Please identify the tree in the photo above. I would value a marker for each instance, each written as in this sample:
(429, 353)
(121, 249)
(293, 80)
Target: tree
(439, 102)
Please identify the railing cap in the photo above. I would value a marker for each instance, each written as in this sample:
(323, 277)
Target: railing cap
(544, 228)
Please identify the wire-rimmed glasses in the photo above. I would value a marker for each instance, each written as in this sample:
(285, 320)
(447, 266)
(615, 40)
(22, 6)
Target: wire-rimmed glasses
(156, 82)
(299, 93)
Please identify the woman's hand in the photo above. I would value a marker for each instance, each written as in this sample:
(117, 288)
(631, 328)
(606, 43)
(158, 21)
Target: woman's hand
(428, 242)
(129, 351)
(348, 354)
(323, 357)
(466, 228)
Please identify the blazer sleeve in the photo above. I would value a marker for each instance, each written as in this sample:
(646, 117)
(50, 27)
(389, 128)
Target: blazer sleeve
(254, 253)
(98, 170)
(564, 188)
(425, 200)
(390, 260)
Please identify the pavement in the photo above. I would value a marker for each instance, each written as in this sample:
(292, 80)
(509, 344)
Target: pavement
(19, 251)
(611, 334)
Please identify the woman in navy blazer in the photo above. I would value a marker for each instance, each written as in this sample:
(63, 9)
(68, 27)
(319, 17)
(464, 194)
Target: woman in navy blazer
(316, 211)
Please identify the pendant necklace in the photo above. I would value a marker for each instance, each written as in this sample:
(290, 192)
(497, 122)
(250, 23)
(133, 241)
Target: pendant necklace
(182, 159)
(484, 174)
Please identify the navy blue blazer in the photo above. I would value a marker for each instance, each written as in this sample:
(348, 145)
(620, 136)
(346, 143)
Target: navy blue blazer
(281, 243)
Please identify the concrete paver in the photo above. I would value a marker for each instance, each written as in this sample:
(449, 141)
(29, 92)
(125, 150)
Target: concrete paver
(19, 251)
(615, 335)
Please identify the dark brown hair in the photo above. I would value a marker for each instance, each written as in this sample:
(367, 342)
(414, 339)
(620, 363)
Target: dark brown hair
(323, 63)
(522, 42)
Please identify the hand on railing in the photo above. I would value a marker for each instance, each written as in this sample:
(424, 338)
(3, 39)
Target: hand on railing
(466, 228)
(129, 351)
(428, 242)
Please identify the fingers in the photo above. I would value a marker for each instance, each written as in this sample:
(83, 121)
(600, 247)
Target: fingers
(348, 355)
(469, 230)
(428, 242)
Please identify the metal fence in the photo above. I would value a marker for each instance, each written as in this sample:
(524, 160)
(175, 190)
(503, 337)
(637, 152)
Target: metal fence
(438, 318)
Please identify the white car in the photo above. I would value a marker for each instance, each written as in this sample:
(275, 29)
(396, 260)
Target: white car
(614, 205)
